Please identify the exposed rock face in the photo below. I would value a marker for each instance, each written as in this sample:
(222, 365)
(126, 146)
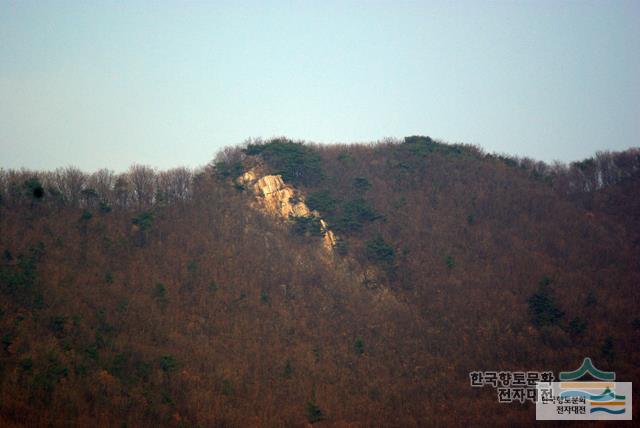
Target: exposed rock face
(283, 200)
(280, 199)
(329, 239)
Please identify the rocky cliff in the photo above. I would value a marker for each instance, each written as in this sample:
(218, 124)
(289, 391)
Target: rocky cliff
(283, 201)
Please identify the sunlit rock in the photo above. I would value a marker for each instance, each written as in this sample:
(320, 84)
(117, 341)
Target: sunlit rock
(282, 200)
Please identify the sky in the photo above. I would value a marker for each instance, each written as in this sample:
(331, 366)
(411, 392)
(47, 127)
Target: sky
(98, 84)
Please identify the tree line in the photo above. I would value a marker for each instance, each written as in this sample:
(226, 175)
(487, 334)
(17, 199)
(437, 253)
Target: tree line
(143, 186)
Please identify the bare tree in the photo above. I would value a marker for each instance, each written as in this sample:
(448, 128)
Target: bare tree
(175, 184)
(103, 182)
(143, 182)
(70, 182)
(3, 184)
(231, 154)
(122, 191)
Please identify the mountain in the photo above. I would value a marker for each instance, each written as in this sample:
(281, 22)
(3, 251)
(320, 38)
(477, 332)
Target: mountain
(215, 298)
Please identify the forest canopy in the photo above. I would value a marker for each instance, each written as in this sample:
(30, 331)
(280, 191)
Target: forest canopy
(166, 298)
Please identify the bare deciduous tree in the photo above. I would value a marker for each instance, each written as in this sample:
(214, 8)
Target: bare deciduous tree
(175, 184)
(103, 182)
(70, 182)
(143, 182)
(122, 191)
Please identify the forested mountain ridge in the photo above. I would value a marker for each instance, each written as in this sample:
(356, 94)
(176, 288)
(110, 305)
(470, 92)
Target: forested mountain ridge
(161, 298)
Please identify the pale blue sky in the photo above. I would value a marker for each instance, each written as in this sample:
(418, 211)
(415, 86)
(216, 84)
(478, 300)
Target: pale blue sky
(106, 84)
